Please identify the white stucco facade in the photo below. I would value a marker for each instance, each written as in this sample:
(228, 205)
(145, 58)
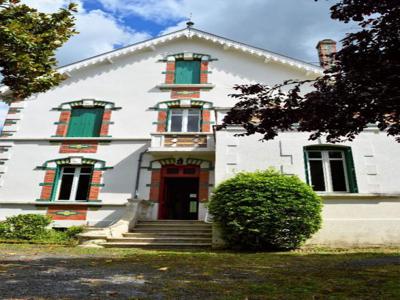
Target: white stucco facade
(132, 153)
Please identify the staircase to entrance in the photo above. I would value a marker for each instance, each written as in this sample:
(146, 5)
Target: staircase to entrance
(165, 234)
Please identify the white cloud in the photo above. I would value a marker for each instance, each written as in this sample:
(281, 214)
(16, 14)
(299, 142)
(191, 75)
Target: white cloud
(154, 10)
(291, 27)
(50, 6)
(98, 31)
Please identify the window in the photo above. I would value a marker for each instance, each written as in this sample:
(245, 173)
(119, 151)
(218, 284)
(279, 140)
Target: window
(85, 122)
(185, 120)
(330, 169)
(74, 183)
(187, 71)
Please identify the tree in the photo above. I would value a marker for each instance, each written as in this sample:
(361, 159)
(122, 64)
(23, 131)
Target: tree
(28, 40)
(360, 88)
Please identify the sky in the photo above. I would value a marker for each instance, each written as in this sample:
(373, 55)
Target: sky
(288, 27)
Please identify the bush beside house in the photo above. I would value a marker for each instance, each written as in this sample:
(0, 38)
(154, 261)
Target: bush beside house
(265, 210)
(34, 228)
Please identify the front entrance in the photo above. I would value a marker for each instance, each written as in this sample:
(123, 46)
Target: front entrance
(179, 195)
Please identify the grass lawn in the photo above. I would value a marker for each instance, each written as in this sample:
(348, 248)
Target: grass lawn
(145, 274)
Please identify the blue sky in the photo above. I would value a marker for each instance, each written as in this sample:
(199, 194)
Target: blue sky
(289, 27)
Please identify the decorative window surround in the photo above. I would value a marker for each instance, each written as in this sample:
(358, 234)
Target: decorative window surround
(164, 107)
(52, 168)
(67, 107)
(84, 146)
(183, 103)
(67, 212)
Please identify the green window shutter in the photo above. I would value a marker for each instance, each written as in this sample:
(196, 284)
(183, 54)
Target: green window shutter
(187, 71)
(351, 172)
(85, 122)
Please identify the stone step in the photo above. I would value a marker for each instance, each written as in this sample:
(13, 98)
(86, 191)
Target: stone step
(173, 222)
(167, 234)
(156, 245)
(173, 227)
(159, 240)
(171, 230)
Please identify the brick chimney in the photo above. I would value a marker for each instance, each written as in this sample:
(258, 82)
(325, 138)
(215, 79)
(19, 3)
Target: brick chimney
(326, 49)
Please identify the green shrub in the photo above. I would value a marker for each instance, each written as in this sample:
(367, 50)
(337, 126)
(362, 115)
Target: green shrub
(24, 226)
(73, 231)
(265, 211)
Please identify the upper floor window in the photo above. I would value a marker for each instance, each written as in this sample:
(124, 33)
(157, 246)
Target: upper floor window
(187, 71)
(74, 182)
(330, 169)
(85, 122)
(185, 120)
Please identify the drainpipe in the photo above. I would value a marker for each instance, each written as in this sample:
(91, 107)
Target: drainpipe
(136, 194)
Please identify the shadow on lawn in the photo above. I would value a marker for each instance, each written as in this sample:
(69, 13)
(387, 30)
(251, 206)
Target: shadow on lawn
(194, 274)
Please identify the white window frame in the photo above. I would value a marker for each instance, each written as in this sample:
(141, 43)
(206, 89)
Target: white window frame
(326, 168)
(74, 188)
(185, 116)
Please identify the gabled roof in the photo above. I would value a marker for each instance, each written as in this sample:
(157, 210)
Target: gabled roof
(191, 33)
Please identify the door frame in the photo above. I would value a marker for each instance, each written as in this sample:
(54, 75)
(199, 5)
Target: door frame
(180, 174)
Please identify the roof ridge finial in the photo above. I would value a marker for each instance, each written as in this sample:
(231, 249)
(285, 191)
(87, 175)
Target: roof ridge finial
(189, 23)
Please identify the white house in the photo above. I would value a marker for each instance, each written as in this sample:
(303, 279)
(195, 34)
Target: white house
(138, 123)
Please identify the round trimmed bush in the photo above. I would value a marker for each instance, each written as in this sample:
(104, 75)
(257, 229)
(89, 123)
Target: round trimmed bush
(265, 210)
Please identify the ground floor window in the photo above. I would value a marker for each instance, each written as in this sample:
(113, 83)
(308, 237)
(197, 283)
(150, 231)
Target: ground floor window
(74, 182)
(330, 169)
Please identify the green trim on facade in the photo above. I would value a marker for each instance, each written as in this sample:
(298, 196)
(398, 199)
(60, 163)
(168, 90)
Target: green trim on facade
(185, 161)
(177, 104)
(181, 55)
(67, 161)
(96, 103)
(55, 183)
(97, 184)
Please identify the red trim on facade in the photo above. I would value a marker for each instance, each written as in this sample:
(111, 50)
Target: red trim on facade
(48, 187)
(204, 72)
(67, 212)
(170, 74)
(185, 93)
(203, 185)
(79, 147)
(162, 121)
(105, 125)
(155, 185)
(62, 128)
(205, 119)
(94, 189)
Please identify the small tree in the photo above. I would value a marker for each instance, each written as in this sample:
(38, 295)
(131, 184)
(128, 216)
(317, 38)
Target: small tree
(265, 211)
(28, 40)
